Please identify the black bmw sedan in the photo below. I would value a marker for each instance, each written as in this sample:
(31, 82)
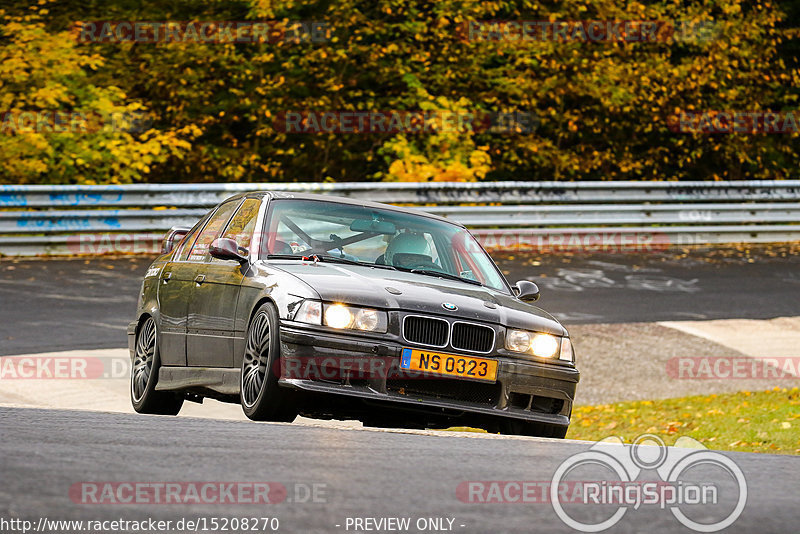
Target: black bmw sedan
(336, 308)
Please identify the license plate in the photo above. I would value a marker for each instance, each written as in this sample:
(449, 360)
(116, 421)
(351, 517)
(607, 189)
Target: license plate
(449, 364)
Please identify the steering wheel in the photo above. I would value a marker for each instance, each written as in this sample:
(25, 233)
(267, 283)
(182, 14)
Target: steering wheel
(427, 265)
(414, 261)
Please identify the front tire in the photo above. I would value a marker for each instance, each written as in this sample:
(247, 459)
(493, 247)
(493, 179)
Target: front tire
(262, 398)
(144, 375)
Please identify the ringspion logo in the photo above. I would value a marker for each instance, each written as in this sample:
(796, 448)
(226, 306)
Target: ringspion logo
(704, 490)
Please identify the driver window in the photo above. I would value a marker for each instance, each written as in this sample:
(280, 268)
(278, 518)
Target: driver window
(243, 223)
(199, 251)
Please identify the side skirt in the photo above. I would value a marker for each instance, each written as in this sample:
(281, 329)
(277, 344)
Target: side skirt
(220, 380)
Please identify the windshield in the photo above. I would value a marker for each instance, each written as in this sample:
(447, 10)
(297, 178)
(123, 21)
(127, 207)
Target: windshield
(377, 237)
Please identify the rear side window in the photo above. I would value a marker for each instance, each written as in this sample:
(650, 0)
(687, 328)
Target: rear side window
(199, 251)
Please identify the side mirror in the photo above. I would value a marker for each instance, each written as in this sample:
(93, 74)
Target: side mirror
(526, 291)
(173, 237)
(227, 249)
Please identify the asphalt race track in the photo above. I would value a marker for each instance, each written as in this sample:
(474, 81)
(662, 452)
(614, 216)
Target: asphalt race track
(358, 473)
(335, 474)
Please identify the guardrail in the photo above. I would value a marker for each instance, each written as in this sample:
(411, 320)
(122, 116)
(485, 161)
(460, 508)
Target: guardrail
(69, 219)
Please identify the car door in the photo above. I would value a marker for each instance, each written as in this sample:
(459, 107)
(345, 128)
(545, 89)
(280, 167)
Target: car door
(174, 293)
(215, 292)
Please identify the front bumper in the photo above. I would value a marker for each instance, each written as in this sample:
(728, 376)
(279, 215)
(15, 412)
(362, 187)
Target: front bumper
(354, 366)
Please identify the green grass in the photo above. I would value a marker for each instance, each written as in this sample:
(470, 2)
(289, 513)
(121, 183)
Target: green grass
(763, 421)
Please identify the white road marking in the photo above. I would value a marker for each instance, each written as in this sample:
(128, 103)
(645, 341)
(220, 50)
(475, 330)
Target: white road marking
(757, 338)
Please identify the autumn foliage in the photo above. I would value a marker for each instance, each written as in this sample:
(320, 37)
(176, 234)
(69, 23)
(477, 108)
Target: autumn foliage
(603, 109)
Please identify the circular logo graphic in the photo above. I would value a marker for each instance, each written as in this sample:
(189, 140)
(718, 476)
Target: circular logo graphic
(448, 306)
(648, 452)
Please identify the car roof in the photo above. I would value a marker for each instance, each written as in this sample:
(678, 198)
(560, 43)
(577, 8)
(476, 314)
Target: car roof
(279, 195)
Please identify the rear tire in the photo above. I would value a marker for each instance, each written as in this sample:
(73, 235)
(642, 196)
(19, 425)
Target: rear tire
(144, 375)
(262, 398)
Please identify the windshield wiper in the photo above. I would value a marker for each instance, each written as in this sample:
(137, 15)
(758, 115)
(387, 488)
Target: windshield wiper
(286, 256)
(327, 257)
(348, 261)
(441, 274)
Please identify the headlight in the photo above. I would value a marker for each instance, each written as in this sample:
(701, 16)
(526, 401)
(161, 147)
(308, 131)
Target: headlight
(356, 318)
(542, 345)
(341, 316)
(310, 312)
(338, 316)
(367, 319)
(518, 340)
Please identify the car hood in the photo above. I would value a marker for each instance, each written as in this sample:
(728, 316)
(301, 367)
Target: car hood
(388, 289)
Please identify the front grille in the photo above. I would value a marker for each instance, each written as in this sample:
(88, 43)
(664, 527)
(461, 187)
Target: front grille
(425, 330)
(443, 388)
(472, 337)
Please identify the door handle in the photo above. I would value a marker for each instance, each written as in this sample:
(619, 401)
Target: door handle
(200, 278)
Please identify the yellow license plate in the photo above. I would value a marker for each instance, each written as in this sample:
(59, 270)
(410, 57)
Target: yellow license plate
(449, 364)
